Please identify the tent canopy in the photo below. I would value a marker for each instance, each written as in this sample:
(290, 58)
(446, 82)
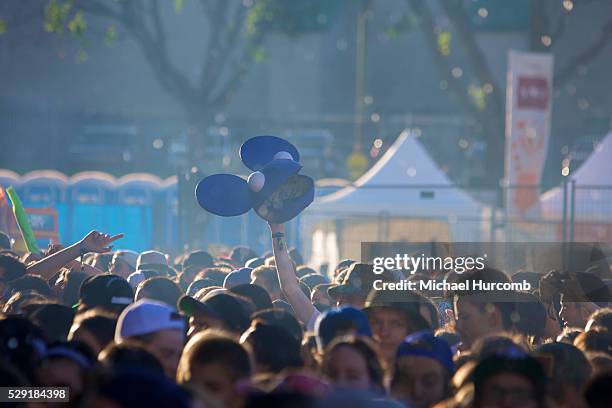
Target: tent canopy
(404, 182)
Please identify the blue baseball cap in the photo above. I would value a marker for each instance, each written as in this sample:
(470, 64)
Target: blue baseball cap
(274, 189)
(337, 320)
(425, 344)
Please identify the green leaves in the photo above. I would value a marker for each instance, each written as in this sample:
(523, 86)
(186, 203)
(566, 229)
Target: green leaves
(110, 37)
(77, 25)
(56, 16)
(2, 26)
(444, 42)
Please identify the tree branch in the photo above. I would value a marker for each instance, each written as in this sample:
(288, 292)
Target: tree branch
(584, 57)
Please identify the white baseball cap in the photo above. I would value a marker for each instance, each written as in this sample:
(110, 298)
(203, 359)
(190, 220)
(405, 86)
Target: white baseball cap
(151, 259)
(147, 316)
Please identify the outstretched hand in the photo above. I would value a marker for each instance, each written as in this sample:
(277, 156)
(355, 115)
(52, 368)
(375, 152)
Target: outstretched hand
(97, 242)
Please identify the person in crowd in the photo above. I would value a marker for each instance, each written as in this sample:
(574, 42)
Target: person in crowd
(159, 288)
(105, 290)
(422, 370)
(66, 364)
(568, 371)
(218, 309)
(218, 364)
(509, 381)
(354, 363)
(339, 322)
(94, 327)
(53, 318)
(129, 355)
(597, 392)
(274, 348)
(256, 294)
(237, 277)
(355, 287)
(241, 254)
(601, 318)
(267, 278)
(10, 269)
(199, 259)
(153, 261)
(479, 313)
(123, 263)
(158, 327)
(595, 340)
(600, 362)
(281, 318)
(215, 274)
(395, 315)
(6, 243)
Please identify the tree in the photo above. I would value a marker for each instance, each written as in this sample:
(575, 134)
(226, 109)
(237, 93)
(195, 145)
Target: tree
(485, 102)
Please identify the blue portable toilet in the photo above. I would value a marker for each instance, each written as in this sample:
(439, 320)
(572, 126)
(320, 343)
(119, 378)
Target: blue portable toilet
(136, 195)
(92, 204)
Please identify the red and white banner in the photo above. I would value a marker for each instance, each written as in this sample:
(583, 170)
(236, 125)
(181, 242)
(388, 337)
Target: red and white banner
(528, 108)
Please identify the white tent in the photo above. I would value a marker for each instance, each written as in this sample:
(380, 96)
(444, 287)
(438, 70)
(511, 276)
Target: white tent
(404, 182)
(593, 189)
(404, 196)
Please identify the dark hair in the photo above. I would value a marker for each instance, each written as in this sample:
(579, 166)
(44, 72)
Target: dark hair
(159, 288)
(241, 254)
(595, 340)
(569, 367)
(197, 284)
(22, 343)
(11, 268)
(501, 300)
(496, 344)
(296, 256)
(211, 347)
(369, 352)
(55, 350)
(129, 355)
(215, 274)
(30, 282)
(597, 392)
(258, 295)
(104, 260)
(72, 286)
(274, 348)
(197, 258)
(54, 319)
(99, 323)
(313, 280)
(529, 317)
(280, 318)
(303, 270)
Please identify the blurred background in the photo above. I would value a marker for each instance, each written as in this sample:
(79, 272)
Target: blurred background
(172, 88)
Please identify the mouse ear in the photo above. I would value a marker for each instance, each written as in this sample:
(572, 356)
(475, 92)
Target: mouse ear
(226, 195)
(260, 150)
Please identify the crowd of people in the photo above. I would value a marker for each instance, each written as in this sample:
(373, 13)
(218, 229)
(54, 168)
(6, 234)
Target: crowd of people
(241, 329)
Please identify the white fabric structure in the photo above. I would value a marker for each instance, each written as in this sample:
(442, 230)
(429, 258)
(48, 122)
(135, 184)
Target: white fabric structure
(593, 195)
(404, 184)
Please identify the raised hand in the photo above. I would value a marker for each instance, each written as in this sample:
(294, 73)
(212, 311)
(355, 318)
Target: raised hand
(97, 242)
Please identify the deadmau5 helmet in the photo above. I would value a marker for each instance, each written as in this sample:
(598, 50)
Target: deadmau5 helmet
(274, 189)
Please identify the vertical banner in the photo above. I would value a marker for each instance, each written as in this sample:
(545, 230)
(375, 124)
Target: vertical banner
(528, 108)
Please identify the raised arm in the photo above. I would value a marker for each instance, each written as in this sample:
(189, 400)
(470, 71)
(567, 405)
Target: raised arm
(93, 242)
(301, 304)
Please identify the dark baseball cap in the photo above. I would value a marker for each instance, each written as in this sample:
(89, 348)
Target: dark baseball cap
(359, 280)
(105, 290)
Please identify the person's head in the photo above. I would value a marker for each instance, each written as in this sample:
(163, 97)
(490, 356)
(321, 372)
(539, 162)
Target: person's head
(597, 392)
(159, 288)
(600, 362)
(499, 343)
(479, 312)
(274, 348)
(423, 370)
(106, 290)
(218, 310)
(95, 327)
(304, 270)
(70, 286)
(355, 287)
(14, 305)
(313, 279)
(198, 258)
(5, 241)
(215, 363)
(256, 294)
(267, 278)
(54, 319)
(152, 261)
(158, 327)
(581, 295)
(339, 322)
(296, 256)
(353, 363)
(237, 277)
(394, 315)
(531, 318)
(215, 274)
(595, 340)
(280, 318)
(512, 382)
(569, 370)
(123, 263)
(601, 318)
(66, 364)
(22, 343)
(102, 261)
(29, 282)
(129, 355)
(254, 262)
(241, 254)
(10, 268)
(137, 388)
(320, 298)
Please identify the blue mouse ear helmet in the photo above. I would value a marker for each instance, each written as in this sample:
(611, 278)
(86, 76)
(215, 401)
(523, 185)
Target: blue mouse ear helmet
(224, 194)
(258, 151)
